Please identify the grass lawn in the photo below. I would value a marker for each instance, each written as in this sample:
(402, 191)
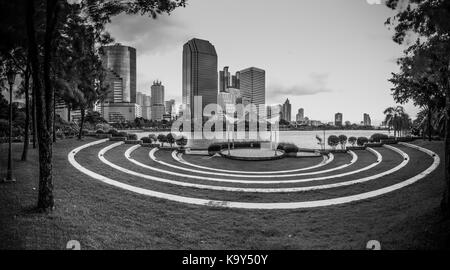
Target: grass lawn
(104, 217)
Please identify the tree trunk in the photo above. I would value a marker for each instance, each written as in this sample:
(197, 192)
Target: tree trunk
(43, 101)
(27, 116)
(446, 198)
(54, 117)
(80, 134)
(430, 115)
(68, 112)
(33, 116)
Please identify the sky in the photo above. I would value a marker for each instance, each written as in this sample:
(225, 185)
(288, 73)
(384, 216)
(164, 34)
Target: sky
(326, 56)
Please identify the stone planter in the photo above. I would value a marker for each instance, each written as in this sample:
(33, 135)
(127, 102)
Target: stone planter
(118, 139)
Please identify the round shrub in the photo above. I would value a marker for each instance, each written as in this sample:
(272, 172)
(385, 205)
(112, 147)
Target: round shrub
(377, 137)
(214, 148)
(132, 137)
(112, 132)
(342, 140)
(146, 140)
(333, 141)
(100, 131)
(153, 137)
(352, 140)
(361, 141)
(288, 147)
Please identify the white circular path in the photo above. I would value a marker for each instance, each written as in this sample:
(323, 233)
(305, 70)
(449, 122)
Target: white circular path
(239, 174)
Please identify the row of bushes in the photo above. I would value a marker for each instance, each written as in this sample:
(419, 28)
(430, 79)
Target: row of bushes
(217, 147)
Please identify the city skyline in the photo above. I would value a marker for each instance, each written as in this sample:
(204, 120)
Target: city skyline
(302, 63)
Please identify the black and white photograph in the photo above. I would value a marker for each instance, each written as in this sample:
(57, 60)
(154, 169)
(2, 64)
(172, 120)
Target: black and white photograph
(256, 126)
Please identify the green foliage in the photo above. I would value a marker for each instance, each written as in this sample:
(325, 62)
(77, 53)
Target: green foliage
(377, 137)
(214, 148)
(153, 137)
(170, 138)
(288, 147)
(162, 139)
(146, 140)
(352, 140)
(361, 141)
(342, 141)
(333, 141)
(132, 137)
(182, 141)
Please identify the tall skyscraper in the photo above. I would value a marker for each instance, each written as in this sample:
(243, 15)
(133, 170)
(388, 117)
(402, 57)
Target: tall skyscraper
(157, 101)
(367, 121)
(224, 80)
(170, 108)
(199, 73)
(120, 62)
(253, 85)
(236, 81)
(338, 119)
(286, 111)
(300, 115)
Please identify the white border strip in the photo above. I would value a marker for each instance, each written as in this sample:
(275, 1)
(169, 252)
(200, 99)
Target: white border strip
(264, 182)
(180, 159)
(246, 205)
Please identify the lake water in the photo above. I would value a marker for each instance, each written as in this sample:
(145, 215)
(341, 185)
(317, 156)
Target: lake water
(303, 139)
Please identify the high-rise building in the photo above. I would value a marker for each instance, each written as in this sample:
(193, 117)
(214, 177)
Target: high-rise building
(367, 121)
(120, 62)
(157, 101)
(300, 115)
(170, 108)
(286, 111)
(338, 119)
(231, 97)
(199, 74)
(224, 79)
(253, 85)
(235, 80)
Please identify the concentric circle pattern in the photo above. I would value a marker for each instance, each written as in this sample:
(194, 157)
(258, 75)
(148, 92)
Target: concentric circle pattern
(290, 183)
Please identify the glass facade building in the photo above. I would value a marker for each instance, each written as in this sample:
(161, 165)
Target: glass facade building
(253, 85)
(120, 61)
(199, 73)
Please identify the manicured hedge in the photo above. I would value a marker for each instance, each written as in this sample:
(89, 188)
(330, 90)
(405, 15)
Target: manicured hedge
(377, 137)
(132, 137)
(100, 131)
(288, 148)
(146, 140)
(361, 141)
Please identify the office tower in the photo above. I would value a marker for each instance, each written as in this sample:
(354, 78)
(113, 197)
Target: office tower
(199, 74)
(157, 101)
(253, 85)
(338, 119)
(286, 111)
(235, 80)
(147, 107)
(367, 121)
(224, 80)
(120, 62)
(170, 108)
(300, 115)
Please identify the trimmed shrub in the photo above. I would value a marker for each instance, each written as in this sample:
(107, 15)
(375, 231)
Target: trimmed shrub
(288, 148)
(153, 137)
(333, 141)
(132, 137)
(361, 141)
(100, 131)
(352, 140)
(146, 140)
(113, 132)
(342, 140)
(170, 139)
(377, 137)
(120, 134)
(162, 139)
(214, 148)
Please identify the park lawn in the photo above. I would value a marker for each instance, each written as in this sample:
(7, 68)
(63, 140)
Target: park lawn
(104, 217)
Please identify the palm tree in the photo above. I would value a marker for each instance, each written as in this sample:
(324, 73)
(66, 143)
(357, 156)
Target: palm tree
(394, 119)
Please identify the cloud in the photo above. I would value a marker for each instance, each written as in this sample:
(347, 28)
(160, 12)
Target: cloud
(147, 34)
(316, 84)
